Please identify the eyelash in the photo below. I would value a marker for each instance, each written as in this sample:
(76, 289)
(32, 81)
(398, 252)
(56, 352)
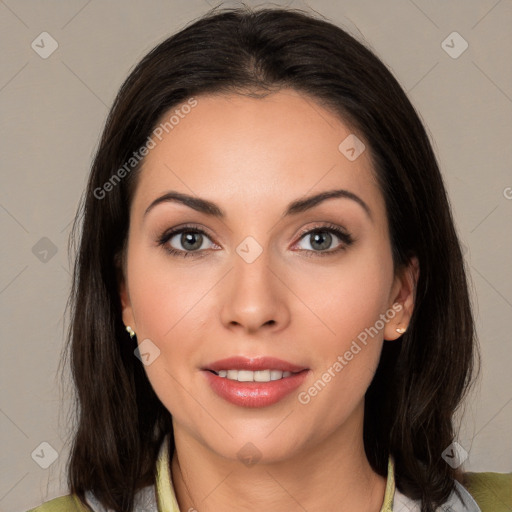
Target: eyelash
(345, 238)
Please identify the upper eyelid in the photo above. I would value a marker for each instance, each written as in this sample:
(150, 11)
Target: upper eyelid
(327, 227)
(169, 233)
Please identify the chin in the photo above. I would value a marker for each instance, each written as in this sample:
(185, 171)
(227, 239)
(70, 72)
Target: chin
(257, 446)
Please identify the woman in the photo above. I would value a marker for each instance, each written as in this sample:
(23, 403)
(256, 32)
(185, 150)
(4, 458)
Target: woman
(309, 347)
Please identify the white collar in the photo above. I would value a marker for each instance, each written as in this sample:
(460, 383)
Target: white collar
(454, 503)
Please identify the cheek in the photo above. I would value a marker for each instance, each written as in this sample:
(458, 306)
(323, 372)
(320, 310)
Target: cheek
(164, 294)
(173, 303)
(347, 298)
(349, 301)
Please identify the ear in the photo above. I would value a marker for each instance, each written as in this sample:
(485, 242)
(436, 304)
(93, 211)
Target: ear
(124, 295)
(402, 298)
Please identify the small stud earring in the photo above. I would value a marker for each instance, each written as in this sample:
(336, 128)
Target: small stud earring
(130, 331)
(401, 330)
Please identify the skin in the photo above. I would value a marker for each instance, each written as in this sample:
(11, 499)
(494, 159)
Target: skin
(252, 157)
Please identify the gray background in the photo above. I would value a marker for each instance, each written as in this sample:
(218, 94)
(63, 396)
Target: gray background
(52, 113)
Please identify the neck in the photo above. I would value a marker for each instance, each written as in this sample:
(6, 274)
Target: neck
(334, 472)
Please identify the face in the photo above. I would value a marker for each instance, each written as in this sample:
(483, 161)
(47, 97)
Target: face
(254, 277)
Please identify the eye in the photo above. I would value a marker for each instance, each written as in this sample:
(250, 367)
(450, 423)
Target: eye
(190, 238)
(321, 238)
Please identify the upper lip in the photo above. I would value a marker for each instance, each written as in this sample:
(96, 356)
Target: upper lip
(253, 364)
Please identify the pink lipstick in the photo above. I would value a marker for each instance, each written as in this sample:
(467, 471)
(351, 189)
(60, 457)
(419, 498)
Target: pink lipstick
(254, 382)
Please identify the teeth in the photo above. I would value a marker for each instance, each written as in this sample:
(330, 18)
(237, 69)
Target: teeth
(262, 376)
(257, 376)
(275, 375)
(245, 376)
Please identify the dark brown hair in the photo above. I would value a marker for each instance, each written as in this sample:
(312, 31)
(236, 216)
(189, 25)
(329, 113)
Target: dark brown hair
(422, 378)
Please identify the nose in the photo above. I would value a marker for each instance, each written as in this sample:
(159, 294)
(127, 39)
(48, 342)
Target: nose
(254, 297)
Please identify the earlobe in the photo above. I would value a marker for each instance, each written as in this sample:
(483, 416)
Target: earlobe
(398, 326)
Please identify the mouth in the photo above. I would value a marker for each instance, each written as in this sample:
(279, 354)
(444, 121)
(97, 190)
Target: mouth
(254, 382)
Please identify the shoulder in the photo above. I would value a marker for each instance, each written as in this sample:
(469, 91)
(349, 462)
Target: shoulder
(68, 503)
(492, 491)
(145, 501)
(481, 492)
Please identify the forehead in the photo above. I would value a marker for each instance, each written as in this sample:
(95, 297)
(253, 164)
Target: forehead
(246, 153)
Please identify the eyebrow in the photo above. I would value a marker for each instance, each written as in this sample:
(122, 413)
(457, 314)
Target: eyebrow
(295, 207)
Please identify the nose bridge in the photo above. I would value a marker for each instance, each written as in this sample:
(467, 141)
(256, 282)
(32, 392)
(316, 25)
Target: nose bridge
(252, 268)
(255, 296)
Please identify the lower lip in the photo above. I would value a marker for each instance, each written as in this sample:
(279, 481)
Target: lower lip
(255, 394)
